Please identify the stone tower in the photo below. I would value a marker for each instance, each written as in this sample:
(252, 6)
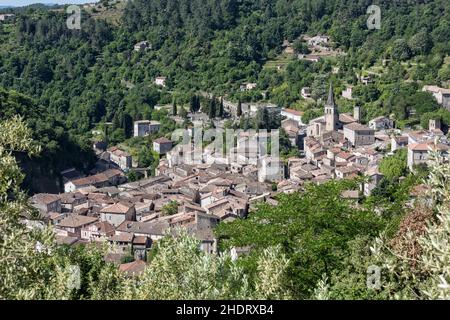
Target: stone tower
(331, 112)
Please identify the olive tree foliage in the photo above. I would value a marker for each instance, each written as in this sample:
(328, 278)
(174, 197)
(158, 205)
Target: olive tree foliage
(28, 268)
(180, 270)
(417, 269)
(436, 243)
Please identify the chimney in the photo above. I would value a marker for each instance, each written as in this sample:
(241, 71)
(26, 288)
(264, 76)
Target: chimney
(434, 124)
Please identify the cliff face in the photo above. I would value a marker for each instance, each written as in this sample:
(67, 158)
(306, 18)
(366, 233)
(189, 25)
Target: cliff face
(38, 178)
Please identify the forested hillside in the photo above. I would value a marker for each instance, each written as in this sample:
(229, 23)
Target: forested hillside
(84, 77)
(50, 132)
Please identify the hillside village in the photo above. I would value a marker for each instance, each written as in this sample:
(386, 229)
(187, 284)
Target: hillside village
(198, 189)
(225, 149)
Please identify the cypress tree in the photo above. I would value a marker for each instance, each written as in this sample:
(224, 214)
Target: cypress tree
(239, 109)
(221, 108)
(212, 108)
(193, 104)
(197, 103)
(174, 108)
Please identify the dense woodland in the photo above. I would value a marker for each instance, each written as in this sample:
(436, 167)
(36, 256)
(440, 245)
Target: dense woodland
(66, 83)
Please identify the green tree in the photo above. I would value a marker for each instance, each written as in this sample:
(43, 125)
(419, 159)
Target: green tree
(174, 108)
(239, 109)
(221, 109)
(170, 209)
(193, 103)
(401, 50)
(421, 43)
(29, 268)
(313, 229)
(301, 47)
(413, 264)
(262, 119)
(212, 108)
(183, 112)
(395, 166)
(206, 276)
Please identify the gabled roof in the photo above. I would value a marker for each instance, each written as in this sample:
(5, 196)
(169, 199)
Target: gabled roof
(357, 127)
(72, 197)
(149, 228)
(45, 198)
(293, 111)
(122, 237)
(140, 240)
(418, 147)
(104, 227)
(91, 180)
(401, 139)
(75, 221)
(346, 118)
(344, 155)
(118, 152)
(117, 208)
(347, 169)
(133, 268)
(436, 89)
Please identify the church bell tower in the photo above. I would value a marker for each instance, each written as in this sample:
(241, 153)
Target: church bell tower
(331, 112)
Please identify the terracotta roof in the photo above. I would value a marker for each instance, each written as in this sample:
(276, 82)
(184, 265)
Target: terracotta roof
(439, 147)
(436, 89)
(104, 227)
(116, 208)
(45, 198)
(112, 173)
(54, 215)
(347, 169)
(72, 197)
(357, 127)
(335, 150)
(149, 228)
(91, 180)
(346, 118)
(122, 237)
(118, 152)
(401, 139)
(140, 240)
(294, 112)
(75, 221)
(418, 147)
(344, 155)
(133, 268)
